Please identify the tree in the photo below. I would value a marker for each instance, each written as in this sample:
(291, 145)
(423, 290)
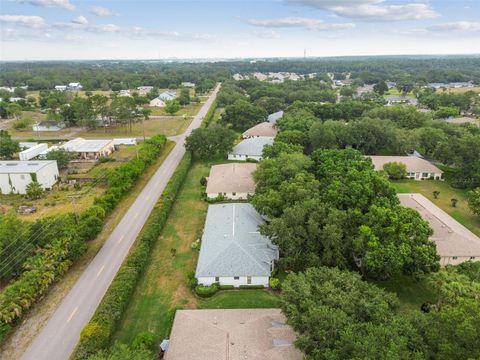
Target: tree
(474, 201)
(122, 351)
(34, 190)
(207, 143)
(395, 170)
(184, 98)
(62, 157)
(338, 316)
(347, 91)
(279, 147)
(300, 120)
(14, 110)
(454, 202)
(380, 87)
(436, 193)
(8, 147)
(444, 112)
(172, 106)
(243, 115)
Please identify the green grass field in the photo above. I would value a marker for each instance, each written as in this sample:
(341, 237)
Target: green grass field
(241, 299)
(461, 212)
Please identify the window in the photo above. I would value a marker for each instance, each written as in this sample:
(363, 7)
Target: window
(217, 278)
(234, 193)
(249, 280)
(455, 258)
(425, 175)
(236, 278)
(472, 257)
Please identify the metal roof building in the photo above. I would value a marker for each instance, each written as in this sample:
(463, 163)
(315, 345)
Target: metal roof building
(250, 148)
(273, 118)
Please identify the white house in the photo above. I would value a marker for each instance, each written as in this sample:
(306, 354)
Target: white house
(60, 87)
(125, 141)
(124, 92)
(251, 148)
(32, 152)
(233, 181)
(188, 84)
(144, 90)
(168, 95)
(408, 100)
(273, 118)
(157, 102)
(74, 86)
(48, 126)
(233, 252)
(417, 168)
(89, 149)
(16, 175)
(27, 144)
(455, 243)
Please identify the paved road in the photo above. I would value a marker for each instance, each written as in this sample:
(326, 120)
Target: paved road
(61, 333)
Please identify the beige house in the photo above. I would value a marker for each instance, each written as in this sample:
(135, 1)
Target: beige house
(157, 102)
(89, 149)
(417, 168)
(233, 181)
(455, 243)
(238, 334)
(266, 129)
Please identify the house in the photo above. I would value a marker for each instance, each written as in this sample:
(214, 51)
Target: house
(7, 88)
(233, 181)
(417, 168)
(231, 334)
(168, 95)
(89, 149)
(233, 252)
(408, 100)
(462, 120)
(455, 243)
(124, 92)
(251, 148)
(48, 125)
(157, 102)
(27, 144)
(15, 99)
(273, 118)
(125, 141)
(60, 87)
(188, 84)
(346, 82)
(144, 90)
(391, 84)
(263, 129)
(75, 86)
(32, 152)
(16, 175)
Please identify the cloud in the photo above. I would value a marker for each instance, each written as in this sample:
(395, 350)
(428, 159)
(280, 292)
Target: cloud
(102, 11)
(372, 10)
(140, 33)
(104, 28)
(35, 22)
(64, 4)
(267, 34)
(466, 26)
(81, 20)
(310, 24)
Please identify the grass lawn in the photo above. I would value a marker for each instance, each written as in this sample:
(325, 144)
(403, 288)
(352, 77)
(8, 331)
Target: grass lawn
(411, 292)
(188, 110)
(461, 213)
(241, 299)
(162, 288)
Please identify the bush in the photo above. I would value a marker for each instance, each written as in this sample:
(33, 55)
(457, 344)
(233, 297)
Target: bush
(104, 159)
(252, 287)
(274, 283)
(226, 287)
(192, 281)
(115, 302)
(395, 170)
(249, 160)
(144, 340)
(206, 291)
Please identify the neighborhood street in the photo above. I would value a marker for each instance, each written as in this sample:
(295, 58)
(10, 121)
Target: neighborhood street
(61, 333)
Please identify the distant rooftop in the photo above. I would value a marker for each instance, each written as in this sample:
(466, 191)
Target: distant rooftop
(263, 129)
(23, 167)
(83, 145)
(413, 163)
(273, 118)
(252, 146)
(236, 334)
(229, 178)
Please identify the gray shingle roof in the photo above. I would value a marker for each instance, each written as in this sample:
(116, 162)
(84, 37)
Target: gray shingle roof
(273, 118)
(232, 244)
(252, 146)
(23, 167)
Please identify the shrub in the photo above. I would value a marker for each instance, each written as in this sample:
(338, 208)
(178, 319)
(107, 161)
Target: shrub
(192, 281)
(104, 159)
(226, 287)
(206, 291)
(249, 160)
(252, 287)
(144, 340)
(274, 283)
(395, 170)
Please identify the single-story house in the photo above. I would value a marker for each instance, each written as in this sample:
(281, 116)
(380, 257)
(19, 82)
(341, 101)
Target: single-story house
(168, 95)
(124, 92)
(409, 100)
(263, 129)
(144, 90)
(455, 243)
(231, 334)
(188, 84)
(233, 252)
(27, 144)
(125, 141)
(233, 181)
(273, 118)
(60, 87)
(48, 126)
(157, 102)
(417, 168)
(74, 86)
(16, 175)
(89, 149)
(251, 148)
(32, 152)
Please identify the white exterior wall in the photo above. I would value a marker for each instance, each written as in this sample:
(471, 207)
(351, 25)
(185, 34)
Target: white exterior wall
(237, 196)
(229, 280)
(32, 152)
(46, 177)
(455, 260)
(243, 157)
(419, 176)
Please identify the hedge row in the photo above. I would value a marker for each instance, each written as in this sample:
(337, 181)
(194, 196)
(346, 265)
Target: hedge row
(209, 115)
(96, 335)
(66, 246)
(205, 291)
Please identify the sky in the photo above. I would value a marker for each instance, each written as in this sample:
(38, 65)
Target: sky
(158, 29)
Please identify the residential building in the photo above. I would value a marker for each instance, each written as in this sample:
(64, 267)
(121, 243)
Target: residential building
(32, 152)
(89, 149)
(417, 168)
(60, 87)
(48, 125)
(15, 99)
(7, 88)
(15, 176)
(75, 86)
(124, 92)
(125, 141)
(463, 120)
(188, 84)
(455, 243)
(168, 95)
(263, 129)
(251, 148)
(157, 102)
(144, 90)
(273, 118)
(233, 334)
(232, 181)
(27, 144)
(408, 100)
(233, 252)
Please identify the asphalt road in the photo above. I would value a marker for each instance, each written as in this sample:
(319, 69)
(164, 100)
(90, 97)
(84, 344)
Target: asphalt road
(60, 335)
